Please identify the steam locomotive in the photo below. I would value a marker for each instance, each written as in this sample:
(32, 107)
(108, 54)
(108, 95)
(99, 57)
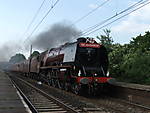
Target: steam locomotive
(80, 67)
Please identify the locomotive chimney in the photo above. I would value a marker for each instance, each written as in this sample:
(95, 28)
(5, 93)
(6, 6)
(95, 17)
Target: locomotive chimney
(81, 39)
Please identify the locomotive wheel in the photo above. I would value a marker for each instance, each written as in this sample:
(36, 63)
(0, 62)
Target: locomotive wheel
(66, 87)
(53, 83)
(50, 82)
(77, 89)
(61, 85)
(58, 84)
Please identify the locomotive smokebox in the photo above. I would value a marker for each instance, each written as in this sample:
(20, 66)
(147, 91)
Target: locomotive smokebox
(81, 39)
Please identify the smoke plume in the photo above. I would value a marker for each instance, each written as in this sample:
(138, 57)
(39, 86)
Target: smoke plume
(56, 35)
(8, 49)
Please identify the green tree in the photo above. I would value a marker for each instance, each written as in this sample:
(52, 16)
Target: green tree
(141, 43)
(106, 39)
(136, 69)
(17, 58)
(130, 62)
(136, 62)
(35, 53)
(116, 59)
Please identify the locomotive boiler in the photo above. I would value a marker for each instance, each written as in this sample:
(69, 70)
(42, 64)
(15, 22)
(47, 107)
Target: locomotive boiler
(80, 66)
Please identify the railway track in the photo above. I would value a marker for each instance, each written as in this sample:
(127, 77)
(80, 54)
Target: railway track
(104, 104)
(133, 93)
(41, 102)
(119, 106)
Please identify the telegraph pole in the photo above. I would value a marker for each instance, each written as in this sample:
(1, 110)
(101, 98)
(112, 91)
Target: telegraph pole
(30, 60)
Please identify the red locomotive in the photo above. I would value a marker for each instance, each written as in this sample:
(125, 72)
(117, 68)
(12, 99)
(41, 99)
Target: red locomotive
(80, 66)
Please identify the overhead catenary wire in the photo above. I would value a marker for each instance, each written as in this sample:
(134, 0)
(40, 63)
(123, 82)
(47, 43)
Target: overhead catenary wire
(110, 18)
(117, 14)
(34, 17)
(83, 17)
(42, 19)
(119, 18)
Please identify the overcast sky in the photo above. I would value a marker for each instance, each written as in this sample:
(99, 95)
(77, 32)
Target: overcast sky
(15, 16)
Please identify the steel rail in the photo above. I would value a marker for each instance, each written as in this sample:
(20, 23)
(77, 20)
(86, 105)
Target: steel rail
(30, 105)
(63, 105)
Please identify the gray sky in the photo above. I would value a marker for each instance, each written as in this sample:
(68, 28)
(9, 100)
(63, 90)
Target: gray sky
(17, 14)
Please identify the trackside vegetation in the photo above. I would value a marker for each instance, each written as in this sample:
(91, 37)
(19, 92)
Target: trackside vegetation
(129, 62)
